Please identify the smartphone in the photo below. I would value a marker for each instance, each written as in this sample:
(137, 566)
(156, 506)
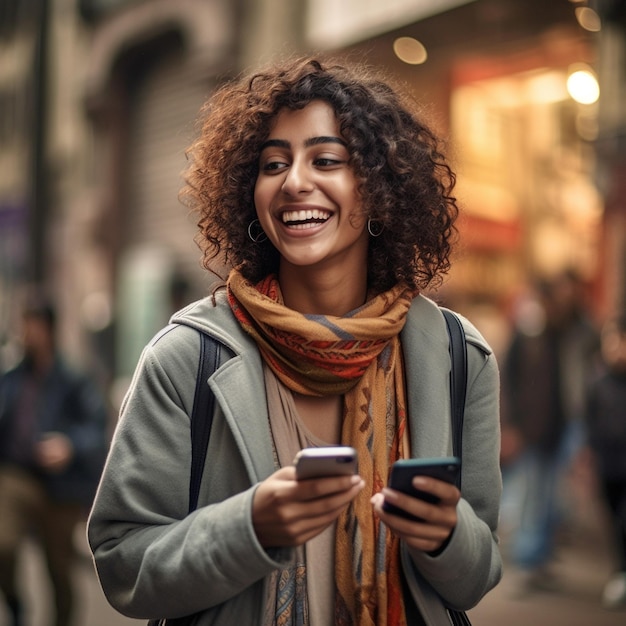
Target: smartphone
(403, 471)
(325, 461)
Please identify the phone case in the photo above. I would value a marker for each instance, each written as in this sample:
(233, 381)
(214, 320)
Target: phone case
(325, 461)
(403, 471)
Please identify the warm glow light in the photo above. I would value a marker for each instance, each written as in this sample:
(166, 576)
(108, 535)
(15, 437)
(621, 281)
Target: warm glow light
(588, 19)
(546, 87)
(410, 50)
(583, 87)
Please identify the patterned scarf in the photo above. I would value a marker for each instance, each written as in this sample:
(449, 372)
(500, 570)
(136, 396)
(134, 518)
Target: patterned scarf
(358, 355)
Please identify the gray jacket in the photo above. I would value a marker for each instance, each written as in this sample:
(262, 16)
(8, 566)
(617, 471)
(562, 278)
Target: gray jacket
(155, 560)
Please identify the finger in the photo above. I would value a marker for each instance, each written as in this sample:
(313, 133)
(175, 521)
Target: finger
(296, 523)
(441, 490)
(326, 507)
(314, 488)
(439, 514)
(422, 536)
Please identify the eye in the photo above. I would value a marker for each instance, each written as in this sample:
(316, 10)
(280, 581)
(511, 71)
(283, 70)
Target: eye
(273, 165)
(329, 156)
(327, 161)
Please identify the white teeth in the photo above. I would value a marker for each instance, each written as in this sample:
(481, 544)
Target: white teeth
(304, 215)
(303, 225)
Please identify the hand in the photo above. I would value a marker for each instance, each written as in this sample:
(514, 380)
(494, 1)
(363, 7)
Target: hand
(439, 519)
(54, 452)
(288, 512)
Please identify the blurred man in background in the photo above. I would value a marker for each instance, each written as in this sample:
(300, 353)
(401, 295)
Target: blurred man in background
(52, 446)
(606, 427)
(546, 373)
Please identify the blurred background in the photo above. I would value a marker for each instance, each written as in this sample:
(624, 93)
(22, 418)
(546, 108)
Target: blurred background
(98, 101)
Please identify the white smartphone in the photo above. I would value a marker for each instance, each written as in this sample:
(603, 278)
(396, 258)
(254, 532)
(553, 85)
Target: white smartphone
(325, 461)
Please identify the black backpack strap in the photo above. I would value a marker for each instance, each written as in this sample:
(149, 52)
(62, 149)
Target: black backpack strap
(458, 379)
(201, 422)
(202, 414)
(458, 390)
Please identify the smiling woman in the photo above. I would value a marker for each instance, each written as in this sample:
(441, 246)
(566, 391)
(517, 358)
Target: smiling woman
(332, 202)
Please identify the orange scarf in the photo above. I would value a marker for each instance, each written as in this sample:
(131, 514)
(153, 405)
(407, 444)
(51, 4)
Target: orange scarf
(358, 355)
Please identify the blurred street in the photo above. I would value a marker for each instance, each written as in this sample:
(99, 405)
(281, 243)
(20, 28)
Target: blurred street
(584, 562)
(582, 568)
(92, 607)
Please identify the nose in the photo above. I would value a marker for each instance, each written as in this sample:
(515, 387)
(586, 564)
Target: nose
(298, 179)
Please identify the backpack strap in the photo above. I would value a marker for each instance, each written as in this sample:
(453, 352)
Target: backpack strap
(201, 422)
(458, 390)
(458, 380)
(202, 413)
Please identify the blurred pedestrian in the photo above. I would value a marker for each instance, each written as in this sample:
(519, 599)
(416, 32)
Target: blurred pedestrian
(606, 424)
(52, 445)
(330, 197)
(546, 371)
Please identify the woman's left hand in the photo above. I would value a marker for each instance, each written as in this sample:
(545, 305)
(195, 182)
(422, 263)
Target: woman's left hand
(439, 519)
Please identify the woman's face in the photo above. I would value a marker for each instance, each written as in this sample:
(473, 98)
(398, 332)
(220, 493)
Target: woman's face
(306, 194)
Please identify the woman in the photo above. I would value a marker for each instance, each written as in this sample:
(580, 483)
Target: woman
(332, 203)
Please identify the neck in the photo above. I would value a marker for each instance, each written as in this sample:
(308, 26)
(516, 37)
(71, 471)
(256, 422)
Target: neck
(317, 293)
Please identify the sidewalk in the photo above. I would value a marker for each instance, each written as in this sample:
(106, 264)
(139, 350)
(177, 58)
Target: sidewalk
(92, 607)
(582, 568)
(583, 565)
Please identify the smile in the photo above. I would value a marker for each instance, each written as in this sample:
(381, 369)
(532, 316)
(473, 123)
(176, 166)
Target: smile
(305, 218)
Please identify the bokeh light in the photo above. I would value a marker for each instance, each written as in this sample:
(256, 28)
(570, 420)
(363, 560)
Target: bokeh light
(410, 50)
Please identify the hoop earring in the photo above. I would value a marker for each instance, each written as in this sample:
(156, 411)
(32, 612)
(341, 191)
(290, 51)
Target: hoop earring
(260, 236)
(375, 227)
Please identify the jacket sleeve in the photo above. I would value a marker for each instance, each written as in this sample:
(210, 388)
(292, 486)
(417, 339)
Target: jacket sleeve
(470, 565)
(152, 557)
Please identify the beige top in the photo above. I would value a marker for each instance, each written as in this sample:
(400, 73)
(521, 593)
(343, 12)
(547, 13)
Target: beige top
(290, 436)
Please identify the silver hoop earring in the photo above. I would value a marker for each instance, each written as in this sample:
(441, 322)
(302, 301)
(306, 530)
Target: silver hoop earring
(375, 227)
(260, 235)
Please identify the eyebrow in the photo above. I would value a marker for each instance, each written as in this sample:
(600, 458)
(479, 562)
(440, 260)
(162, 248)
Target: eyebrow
(313, 141)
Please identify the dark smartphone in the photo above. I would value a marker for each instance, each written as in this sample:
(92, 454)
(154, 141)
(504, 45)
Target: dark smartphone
(325, 461)
(402, 473)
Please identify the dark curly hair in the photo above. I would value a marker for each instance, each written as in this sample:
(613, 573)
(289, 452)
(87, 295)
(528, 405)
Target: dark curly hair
(402, 175)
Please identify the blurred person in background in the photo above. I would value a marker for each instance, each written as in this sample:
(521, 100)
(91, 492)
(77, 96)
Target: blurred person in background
(52, 445)
(606, 428)
(545, 374)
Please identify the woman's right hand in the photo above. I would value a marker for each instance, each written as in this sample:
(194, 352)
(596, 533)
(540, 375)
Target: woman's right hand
(287, 512)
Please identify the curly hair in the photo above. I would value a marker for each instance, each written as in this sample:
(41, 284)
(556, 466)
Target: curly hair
(403, 178)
